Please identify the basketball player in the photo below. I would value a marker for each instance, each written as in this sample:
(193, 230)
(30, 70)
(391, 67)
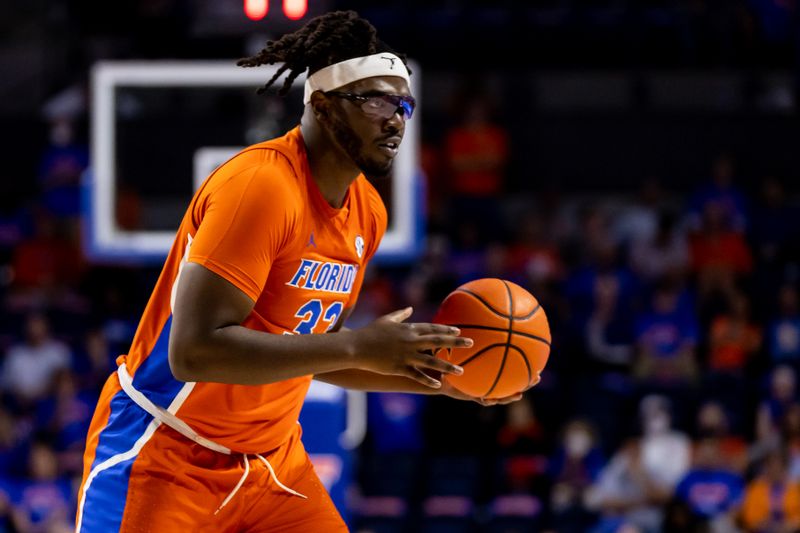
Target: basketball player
(197, 430)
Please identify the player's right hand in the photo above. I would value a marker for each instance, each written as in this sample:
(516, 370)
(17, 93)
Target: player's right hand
(392, 346)
(452, 392)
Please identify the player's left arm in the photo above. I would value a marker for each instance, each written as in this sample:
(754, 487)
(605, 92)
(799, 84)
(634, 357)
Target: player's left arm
(371, 382)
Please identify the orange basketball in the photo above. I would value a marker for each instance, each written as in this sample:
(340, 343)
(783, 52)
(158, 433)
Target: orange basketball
(510, 333)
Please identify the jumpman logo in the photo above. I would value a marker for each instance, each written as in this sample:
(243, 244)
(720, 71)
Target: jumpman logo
(311, 241)
(392, 59)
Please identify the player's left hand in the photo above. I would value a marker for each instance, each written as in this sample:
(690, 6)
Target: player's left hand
(452, 392)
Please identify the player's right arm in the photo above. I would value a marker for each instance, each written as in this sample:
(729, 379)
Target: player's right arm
(208, 343)
(244, 216)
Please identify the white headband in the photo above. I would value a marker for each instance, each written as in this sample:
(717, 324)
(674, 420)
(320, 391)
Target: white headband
(340, 74)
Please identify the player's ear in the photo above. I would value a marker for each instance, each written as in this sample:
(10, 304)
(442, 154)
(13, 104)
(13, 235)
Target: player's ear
(320, 104)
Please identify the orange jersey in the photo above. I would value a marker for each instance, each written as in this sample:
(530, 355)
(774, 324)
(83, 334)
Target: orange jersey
(762, 503)
(260, 222)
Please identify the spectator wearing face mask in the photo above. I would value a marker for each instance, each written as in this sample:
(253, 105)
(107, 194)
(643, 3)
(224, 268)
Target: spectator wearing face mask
(638, 481)
(573, 468)
(660, 440)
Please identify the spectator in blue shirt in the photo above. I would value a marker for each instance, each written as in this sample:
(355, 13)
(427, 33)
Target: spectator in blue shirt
(66, 415)
(723, 192)
(60, 169)
(43, 502)
(712, 490)
(783, 335)
(666, 338)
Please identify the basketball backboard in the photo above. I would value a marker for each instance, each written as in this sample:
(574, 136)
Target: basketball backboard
(159, 128)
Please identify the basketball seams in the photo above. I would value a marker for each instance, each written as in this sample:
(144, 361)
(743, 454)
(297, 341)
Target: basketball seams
(508, 339)
(529, 315)
(510, 306)
(492, 328)
(525, 359)
(483, 301)
(499, 372)
(479, 353)
(495, 311)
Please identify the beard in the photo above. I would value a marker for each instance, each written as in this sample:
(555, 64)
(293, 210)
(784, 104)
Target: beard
(347, 139)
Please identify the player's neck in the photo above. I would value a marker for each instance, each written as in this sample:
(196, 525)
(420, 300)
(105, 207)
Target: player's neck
(331, 169)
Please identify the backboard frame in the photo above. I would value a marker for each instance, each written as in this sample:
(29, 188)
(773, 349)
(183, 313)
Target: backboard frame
(105, 241)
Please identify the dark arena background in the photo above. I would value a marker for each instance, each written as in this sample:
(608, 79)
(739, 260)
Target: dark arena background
(634, 164)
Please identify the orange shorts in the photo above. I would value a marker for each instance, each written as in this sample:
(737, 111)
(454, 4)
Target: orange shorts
(142, 476)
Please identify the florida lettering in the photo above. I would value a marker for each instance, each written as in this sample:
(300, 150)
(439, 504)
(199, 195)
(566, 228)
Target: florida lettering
(324, 276)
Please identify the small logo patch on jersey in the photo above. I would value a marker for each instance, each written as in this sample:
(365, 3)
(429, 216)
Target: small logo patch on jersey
(311, 241)
(359, 245)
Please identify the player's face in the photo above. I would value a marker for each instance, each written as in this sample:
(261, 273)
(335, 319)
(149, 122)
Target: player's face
(368, 121)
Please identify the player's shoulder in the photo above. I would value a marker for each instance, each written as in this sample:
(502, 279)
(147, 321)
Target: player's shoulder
(270, 167)
(288, 149)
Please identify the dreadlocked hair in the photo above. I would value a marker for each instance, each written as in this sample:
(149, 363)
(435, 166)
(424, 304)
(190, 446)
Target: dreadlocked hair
(324, 40)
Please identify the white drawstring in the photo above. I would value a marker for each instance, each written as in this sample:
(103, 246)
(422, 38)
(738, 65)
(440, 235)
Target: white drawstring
(169, 419)
(244, 476)
(162, 415)
(230, 496)
(278, 481)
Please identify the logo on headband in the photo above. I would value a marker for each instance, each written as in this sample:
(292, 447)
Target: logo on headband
(392, 59)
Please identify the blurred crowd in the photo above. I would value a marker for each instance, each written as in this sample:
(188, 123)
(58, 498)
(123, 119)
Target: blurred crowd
(670, 401)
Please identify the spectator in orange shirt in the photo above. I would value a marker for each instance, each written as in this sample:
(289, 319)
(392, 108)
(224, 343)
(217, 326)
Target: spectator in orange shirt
(50, 259)
(719, 255)
(734, 337)
(713, 422)
(771, 501)
(476, 153)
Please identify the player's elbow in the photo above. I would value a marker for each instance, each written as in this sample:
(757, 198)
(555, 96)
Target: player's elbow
(180, 368)
(183, 361)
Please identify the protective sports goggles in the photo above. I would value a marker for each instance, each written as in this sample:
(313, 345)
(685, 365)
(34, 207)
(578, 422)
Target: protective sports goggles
(381, 105)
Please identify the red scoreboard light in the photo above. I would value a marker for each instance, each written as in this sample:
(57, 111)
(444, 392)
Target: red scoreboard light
(256, 9)
(295, 9)
(292, 9)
